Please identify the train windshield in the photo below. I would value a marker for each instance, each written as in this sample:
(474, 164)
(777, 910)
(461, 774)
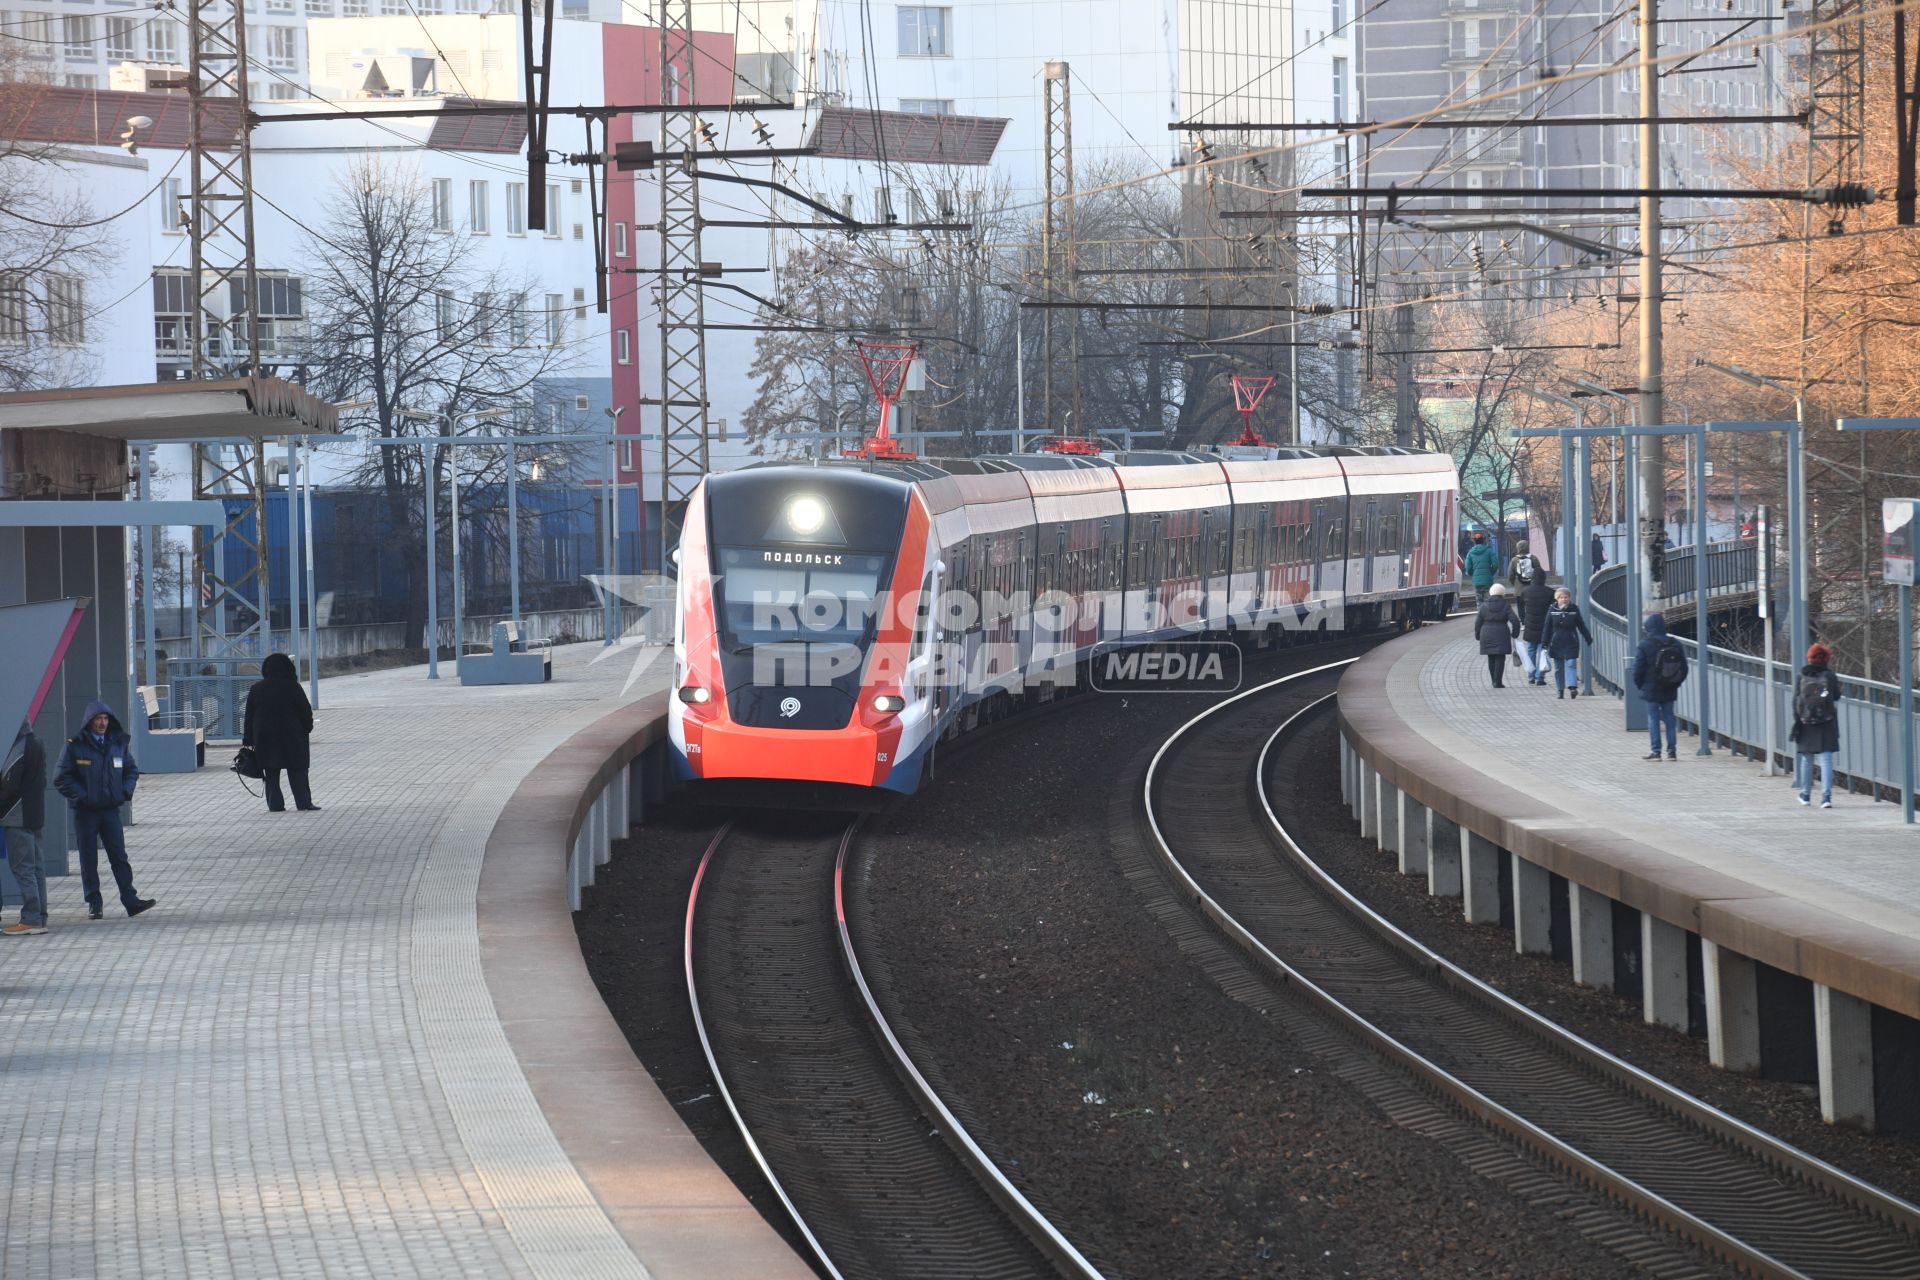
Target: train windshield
(790, 595)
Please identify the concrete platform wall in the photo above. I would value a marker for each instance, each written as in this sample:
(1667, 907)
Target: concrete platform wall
(1773, 987)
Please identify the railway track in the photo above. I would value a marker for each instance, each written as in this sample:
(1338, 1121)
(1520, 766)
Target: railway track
(1711, 1180)
(880, 1179)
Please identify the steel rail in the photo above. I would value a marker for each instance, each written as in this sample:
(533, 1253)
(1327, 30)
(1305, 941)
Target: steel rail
(1043, 1233)
(1472, 1101)
(1737, 1133)
(713, 1062)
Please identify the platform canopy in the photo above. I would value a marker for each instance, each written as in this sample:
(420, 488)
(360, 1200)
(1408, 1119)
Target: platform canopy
(233, 407)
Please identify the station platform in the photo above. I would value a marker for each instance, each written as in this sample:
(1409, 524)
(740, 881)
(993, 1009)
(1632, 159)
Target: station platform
(1791, 933)
(314, 1057)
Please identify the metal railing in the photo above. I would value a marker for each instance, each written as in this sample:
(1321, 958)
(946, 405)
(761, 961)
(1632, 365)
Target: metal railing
(1869, 711)
(1731, 567)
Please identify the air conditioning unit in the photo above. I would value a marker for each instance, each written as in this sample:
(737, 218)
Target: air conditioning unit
(579, 403)
(146, 77)
(403, 73)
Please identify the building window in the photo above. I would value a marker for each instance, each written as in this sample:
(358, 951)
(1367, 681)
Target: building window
(13, 309)
(477, 211)
(37, 32)
(123, 39)
(446, 316)
(553, 211)
(280, 313)
(556, 319)
(82, 80)
(163, 43)
(283, 48)
(882, 205)
(924, 30)
(619, 239)
(172, 211)
(517, 319)
(279, 6)
(623, 346)
(76, 29)
(927, 106)
(320, 8)
(172, 316)
(579, 304)
(1339, 89)
(66, 310)
(486, 320)
(443, 204)
(281, 91)
(353, 8)
(1339, 17)
(516, 208)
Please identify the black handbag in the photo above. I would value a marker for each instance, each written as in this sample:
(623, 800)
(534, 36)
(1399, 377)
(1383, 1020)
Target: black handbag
(246, 763)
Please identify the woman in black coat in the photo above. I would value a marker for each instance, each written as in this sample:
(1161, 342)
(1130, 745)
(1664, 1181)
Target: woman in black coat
(1495, 626)
(1560, 635)
(278, 724)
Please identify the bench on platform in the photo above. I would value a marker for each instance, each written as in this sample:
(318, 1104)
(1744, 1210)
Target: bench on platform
(510, 660)
(165, 740)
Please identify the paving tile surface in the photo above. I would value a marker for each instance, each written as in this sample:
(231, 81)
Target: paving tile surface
(292, 1067)
(1857, 858)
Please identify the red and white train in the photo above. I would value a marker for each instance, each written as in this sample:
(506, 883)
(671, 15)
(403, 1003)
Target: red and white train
(836, 620)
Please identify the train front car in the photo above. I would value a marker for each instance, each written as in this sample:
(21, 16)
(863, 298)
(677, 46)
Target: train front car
(797, 614)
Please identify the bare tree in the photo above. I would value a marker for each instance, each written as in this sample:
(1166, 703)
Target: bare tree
(50, 240)
(409, 321)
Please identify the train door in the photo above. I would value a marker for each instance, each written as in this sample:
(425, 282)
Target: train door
(1366, 539)
(1316, 548)
(1409, 540)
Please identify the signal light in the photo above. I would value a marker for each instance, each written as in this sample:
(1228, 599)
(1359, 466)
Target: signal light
(889, 702)
(693, 694)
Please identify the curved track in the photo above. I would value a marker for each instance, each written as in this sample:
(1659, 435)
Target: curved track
(846, 1131)
(1717, 1183)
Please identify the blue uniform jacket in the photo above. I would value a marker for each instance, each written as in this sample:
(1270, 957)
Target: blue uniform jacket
(97, 774)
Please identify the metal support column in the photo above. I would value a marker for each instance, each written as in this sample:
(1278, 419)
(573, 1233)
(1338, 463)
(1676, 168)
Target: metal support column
(1057, 241)
(1650, 478)
(1636, 553)
(313, 612)
(1583, 545)
(683, 349)
(1702, 640)
(148, 550)
(513, 533)
(433, 569)
(293, 555)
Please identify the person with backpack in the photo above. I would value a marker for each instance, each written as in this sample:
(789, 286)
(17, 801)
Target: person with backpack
(1816, 725)
(1659, 669)
(1494, 626)
(1534, 603)
(1520, 569)
(1483, 565)
(1560, 635)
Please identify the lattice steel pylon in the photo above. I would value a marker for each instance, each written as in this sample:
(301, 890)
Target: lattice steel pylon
(683, 336)
(1060, 381)
(226, 343)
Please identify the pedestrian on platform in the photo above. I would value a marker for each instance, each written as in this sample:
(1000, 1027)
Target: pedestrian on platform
(97, 775)
(1534, 603)
(1560, 637)
(1816, 725)
(1483, 564)
(1521, 568)
(1599, 554)
(1495, 627)
(1659, 668)
(278, 724)
(23, 815)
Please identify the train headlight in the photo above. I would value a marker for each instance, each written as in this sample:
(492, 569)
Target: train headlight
(889, 702)
(806, 514)
(694, 694)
